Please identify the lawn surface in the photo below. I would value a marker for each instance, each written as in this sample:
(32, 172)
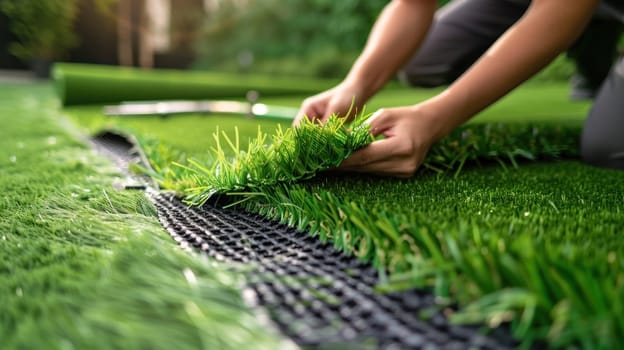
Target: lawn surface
(83, 266)
(535, 244)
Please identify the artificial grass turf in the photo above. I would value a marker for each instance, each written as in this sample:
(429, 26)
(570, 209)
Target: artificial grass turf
(84, 266)
(548, 235)
(537, 244)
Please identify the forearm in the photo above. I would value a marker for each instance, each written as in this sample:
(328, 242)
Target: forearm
(546, 30)
(397, 33)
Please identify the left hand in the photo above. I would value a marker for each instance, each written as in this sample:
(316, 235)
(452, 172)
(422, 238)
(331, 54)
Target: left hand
(408, 132)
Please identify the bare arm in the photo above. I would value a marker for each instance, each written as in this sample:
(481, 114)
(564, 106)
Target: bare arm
(397, 33)
(547, 28)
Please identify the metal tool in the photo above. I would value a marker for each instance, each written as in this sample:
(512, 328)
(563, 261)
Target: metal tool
(249, 108)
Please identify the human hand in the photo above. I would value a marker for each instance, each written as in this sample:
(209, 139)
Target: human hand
(409, 133)
(344, 100)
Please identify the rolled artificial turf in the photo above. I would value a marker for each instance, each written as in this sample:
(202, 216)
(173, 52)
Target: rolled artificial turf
(81, 84)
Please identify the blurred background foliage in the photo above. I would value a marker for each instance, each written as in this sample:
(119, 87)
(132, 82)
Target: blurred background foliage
(318, 38)
(310, 38)
(55, 20)
(294, 37)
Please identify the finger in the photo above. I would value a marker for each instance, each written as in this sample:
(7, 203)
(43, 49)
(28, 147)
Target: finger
(374, 152)
(340, 109)
(390, 167)
(331, 110)
(298, 118)
(374, 116)
(306, 112)
(381, 121)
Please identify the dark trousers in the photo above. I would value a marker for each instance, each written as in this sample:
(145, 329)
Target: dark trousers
(602, 141)
(464, 29)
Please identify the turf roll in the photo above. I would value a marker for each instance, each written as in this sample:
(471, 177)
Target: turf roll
(81, 84)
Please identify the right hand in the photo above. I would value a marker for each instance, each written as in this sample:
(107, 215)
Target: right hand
(338, 100)
(408, 131)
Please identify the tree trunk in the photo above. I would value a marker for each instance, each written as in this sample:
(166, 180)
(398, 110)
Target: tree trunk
(124, 33)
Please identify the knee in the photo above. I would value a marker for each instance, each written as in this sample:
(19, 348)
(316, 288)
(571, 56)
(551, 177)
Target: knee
(602, 141)
(602, 151)
(427, 77)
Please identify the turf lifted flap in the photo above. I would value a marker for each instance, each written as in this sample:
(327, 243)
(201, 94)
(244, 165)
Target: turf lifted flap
(293, 154)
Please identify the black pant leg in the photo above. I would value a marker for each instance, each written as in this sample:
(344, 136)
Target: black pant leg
(461, 32)
(595, 50)
(602, 141)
